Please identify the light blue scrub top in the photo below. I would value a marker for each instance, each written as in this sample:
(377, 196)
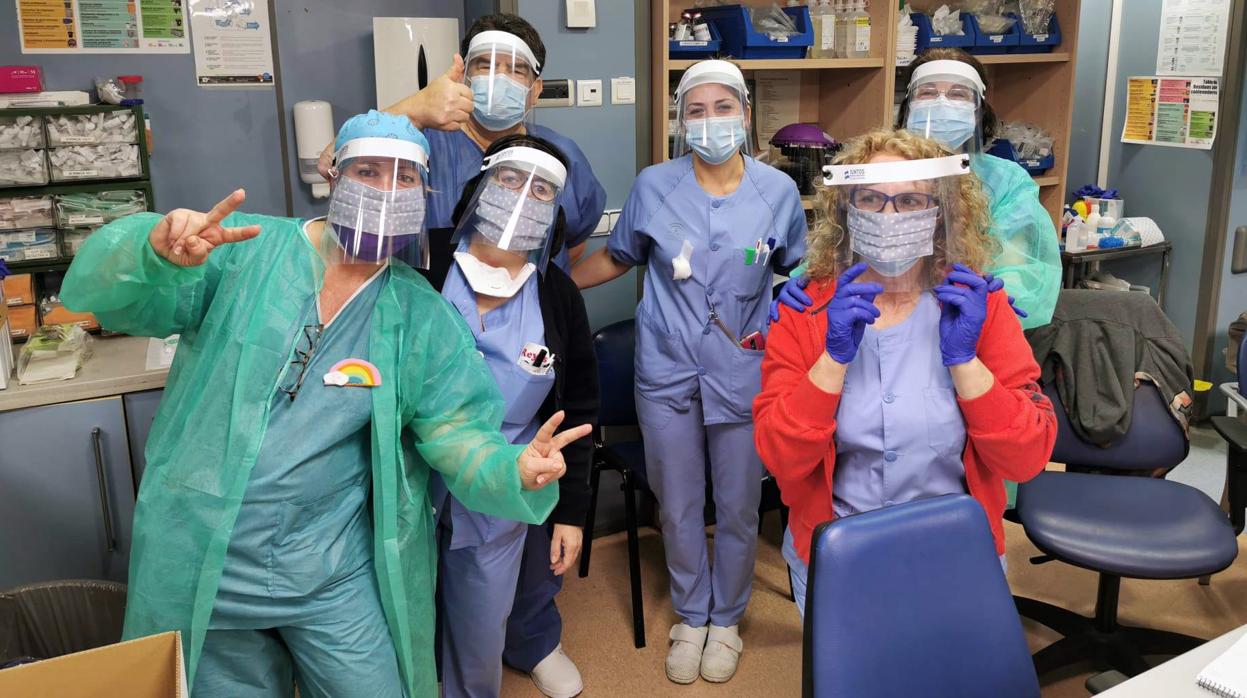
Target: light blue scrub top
(506, 330)
(305, 524)
(899, 431)
(680, 351)
(455, 158)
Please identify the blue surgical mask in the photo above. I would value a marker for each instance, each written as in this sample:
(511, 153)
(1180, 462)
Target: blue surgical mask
(504, 108)
(949, 122)
(717, 138)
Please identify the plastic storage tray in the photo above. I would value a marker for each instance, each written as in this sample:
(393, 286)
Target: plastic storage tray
(19, 132)
(25, 212)
(23, 168)
(29, 245)
(741, 41)
(1039, 43)
(1004, 149)
(91, 129)
(927, 38)
(691, 49)
(83, 209)
(106, 161)
(994, 44)
(71, 241)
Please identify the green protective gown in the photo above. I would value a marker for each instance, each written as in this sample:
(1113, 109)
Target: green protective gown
(437, 407)
(1029, 260)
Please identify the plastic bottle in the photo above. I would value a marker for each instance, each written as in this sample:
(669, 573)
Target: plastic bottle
(1091, 227)
(1106, 224)
(1075, 240)
(816, 23)
(825, 30)
(841, 15)
(858, 45)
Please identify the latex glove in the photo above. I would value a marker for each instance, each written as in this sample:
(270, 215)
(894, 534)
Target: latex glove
(186, 237)
(541, 462)
(964, 299)
(848, 313)
(793, 295)
(994, 284)
(565, 544)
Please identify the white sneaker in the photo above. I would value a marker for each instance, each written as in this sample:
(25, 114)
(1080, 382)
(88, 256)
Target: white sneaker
(557, 675)
(722, 653)
(684, 657)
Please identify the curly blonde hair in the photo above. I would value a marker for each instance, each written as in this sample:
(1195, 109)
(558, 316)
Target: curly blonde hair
(828, 252)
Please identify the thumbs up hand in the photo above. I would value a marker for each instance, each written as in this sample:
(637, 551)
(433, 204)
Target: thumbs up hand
(445, 104)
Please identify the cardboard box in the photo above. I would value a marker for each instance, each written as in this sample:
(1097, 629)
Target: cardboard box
(19, 289)
(149, 667)
(60, 315)
(23, 321)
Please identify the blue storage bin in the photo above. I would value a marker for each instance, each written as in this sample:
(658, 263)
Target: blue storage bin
(692, 49)
(741, 41)
(1038, 43)
(994, 44)
(927, 38)
(1004, 149)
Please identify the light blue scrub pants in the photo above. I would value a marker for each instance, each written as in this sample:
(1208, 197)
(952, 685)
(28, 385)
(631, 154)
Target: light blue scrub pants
(676, 445)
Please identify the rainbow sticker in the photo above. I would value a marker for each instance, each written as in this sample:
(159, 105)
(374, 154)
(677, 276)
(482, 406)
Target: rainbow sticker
(353, 373)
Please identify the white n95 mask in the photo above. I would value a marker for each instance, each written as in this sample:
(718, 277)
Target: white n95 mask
(492, 281)
(892, 242)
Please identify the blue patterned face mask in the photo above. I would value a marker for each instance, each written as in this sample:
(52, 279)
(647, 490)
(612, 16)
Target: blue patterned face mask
(947, 121)
(501, 107)
(717, 138)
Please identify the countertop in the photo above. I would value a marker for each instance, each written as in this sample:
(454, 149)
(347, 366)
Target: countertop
(117, 366)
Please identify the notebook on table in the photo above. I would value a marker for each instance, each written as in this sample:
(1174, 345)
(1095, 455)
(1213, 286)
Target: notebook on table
(1227, 674)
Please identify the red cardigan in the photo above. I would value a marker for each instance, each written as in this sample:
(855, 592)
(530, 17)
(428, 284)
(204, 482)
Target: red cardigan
(1010, 429)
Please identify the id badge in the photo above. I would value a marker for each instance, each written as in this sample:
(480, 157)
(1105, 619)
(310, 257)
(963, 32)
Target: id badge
(535, 359)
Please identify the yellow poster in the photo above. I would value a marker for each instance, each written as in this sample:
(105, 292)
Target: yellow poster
(102, 26)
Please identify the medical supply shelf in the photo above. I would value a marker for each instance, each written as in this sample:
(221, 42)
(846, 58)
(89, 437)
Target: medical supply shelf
(848, 96)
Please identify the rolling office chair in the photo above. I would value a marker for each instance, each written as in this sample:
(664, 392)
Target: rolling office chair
(614, 346)
(1137, 527)
(910, 600)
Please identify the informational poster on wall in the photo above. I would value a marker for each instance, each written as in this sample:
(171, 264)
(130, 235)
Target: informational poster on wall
(233, 46)
(777, 102)
(102, 26)
(1179, 112)
(1192, 37)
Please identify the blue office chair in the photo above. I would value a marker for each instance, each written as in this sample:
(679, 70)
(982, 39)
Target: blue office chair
(910, 600)
(1138, 527)
(1234, 431)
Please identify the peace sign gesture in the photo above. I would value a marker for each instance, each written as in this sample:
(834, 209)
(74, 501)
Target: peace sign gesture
(541, 462)
(185, 237)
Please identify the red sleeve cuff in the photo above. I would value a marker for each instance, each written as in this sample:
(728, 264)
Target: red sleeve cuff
(814, 407)
(991, 412)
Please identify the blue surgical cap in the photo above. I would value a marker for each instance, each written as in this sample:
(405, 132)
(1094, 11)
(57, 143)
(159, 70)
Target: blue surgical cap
(378, 124)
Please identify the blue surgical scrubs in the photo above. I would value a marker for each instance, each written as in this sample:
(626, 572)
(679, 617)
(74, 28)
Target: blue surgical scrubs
(899, 431)
(481, 555)
(455, 158)
(298, 596)
(695, 384)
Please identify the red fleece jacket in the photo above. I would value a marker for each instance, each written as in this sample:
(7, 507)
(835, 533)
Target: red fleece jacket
(1010, 429)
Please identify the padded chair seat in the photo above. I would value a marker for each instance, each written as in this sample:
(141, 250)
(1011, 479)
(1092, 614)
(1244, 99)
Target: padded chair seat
(1232, 429)
(1128, 526)
(631, 454)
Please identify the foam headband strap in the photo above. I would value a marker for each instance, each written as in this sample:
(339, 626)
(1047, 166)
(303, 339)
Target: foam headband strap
(945, 67)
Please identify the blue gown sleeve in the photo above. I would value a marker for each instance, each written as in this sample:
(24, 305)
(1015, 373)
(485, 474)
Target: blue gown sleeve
(589, 197)
(627, 244)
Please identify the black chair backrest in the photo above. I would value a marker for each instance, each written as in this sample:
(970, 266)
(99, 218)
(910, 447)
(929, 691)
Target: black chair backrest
(615, 346)
(1154, 439)
(1242, 367)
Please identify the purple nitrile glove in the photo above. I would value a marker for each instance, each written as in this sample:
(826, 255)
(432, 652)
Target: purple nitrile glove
(793, 295)
(994, 284)
(848, 313)
(964, 299)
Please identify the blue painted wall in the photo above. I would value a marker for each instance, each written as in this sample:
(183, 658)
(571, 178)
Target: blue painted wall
(1084, 146)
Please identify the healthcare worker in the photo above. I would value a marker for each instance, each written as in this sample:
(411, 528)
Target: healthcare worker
(712, 226)
(487, 95)
(947, 101)
(911, 379)
(283, 524)
(530, 323)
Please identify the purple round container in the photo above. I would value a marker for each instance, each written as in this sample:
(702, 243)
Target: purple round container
(802, 136)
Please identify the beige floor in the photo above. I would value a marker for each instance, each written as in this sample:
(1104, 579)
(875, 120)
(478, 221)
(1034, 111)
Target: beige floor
(598, 630)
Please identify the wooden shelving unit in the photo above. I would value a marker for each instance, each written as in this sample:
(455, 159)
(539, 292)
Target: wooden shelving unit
(849, 96)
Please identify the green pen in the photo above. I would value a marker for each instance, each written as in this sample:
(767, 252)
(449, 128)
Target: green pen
(750, 255)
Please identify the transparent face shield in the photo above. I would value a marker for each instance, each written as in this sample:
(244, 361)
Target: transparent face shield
(377, 206)
(712, 105)
(502, 72)
(945, 103)
(510, 220)
(898, 216)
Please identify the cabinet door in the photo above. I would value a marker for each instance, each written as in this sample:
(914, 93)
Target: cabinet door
(140, 411)
(66, 493)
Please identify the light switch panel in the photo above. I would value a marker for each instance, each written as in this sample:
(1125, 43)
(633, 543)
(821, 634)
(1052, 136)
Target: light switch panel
(588, 93)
